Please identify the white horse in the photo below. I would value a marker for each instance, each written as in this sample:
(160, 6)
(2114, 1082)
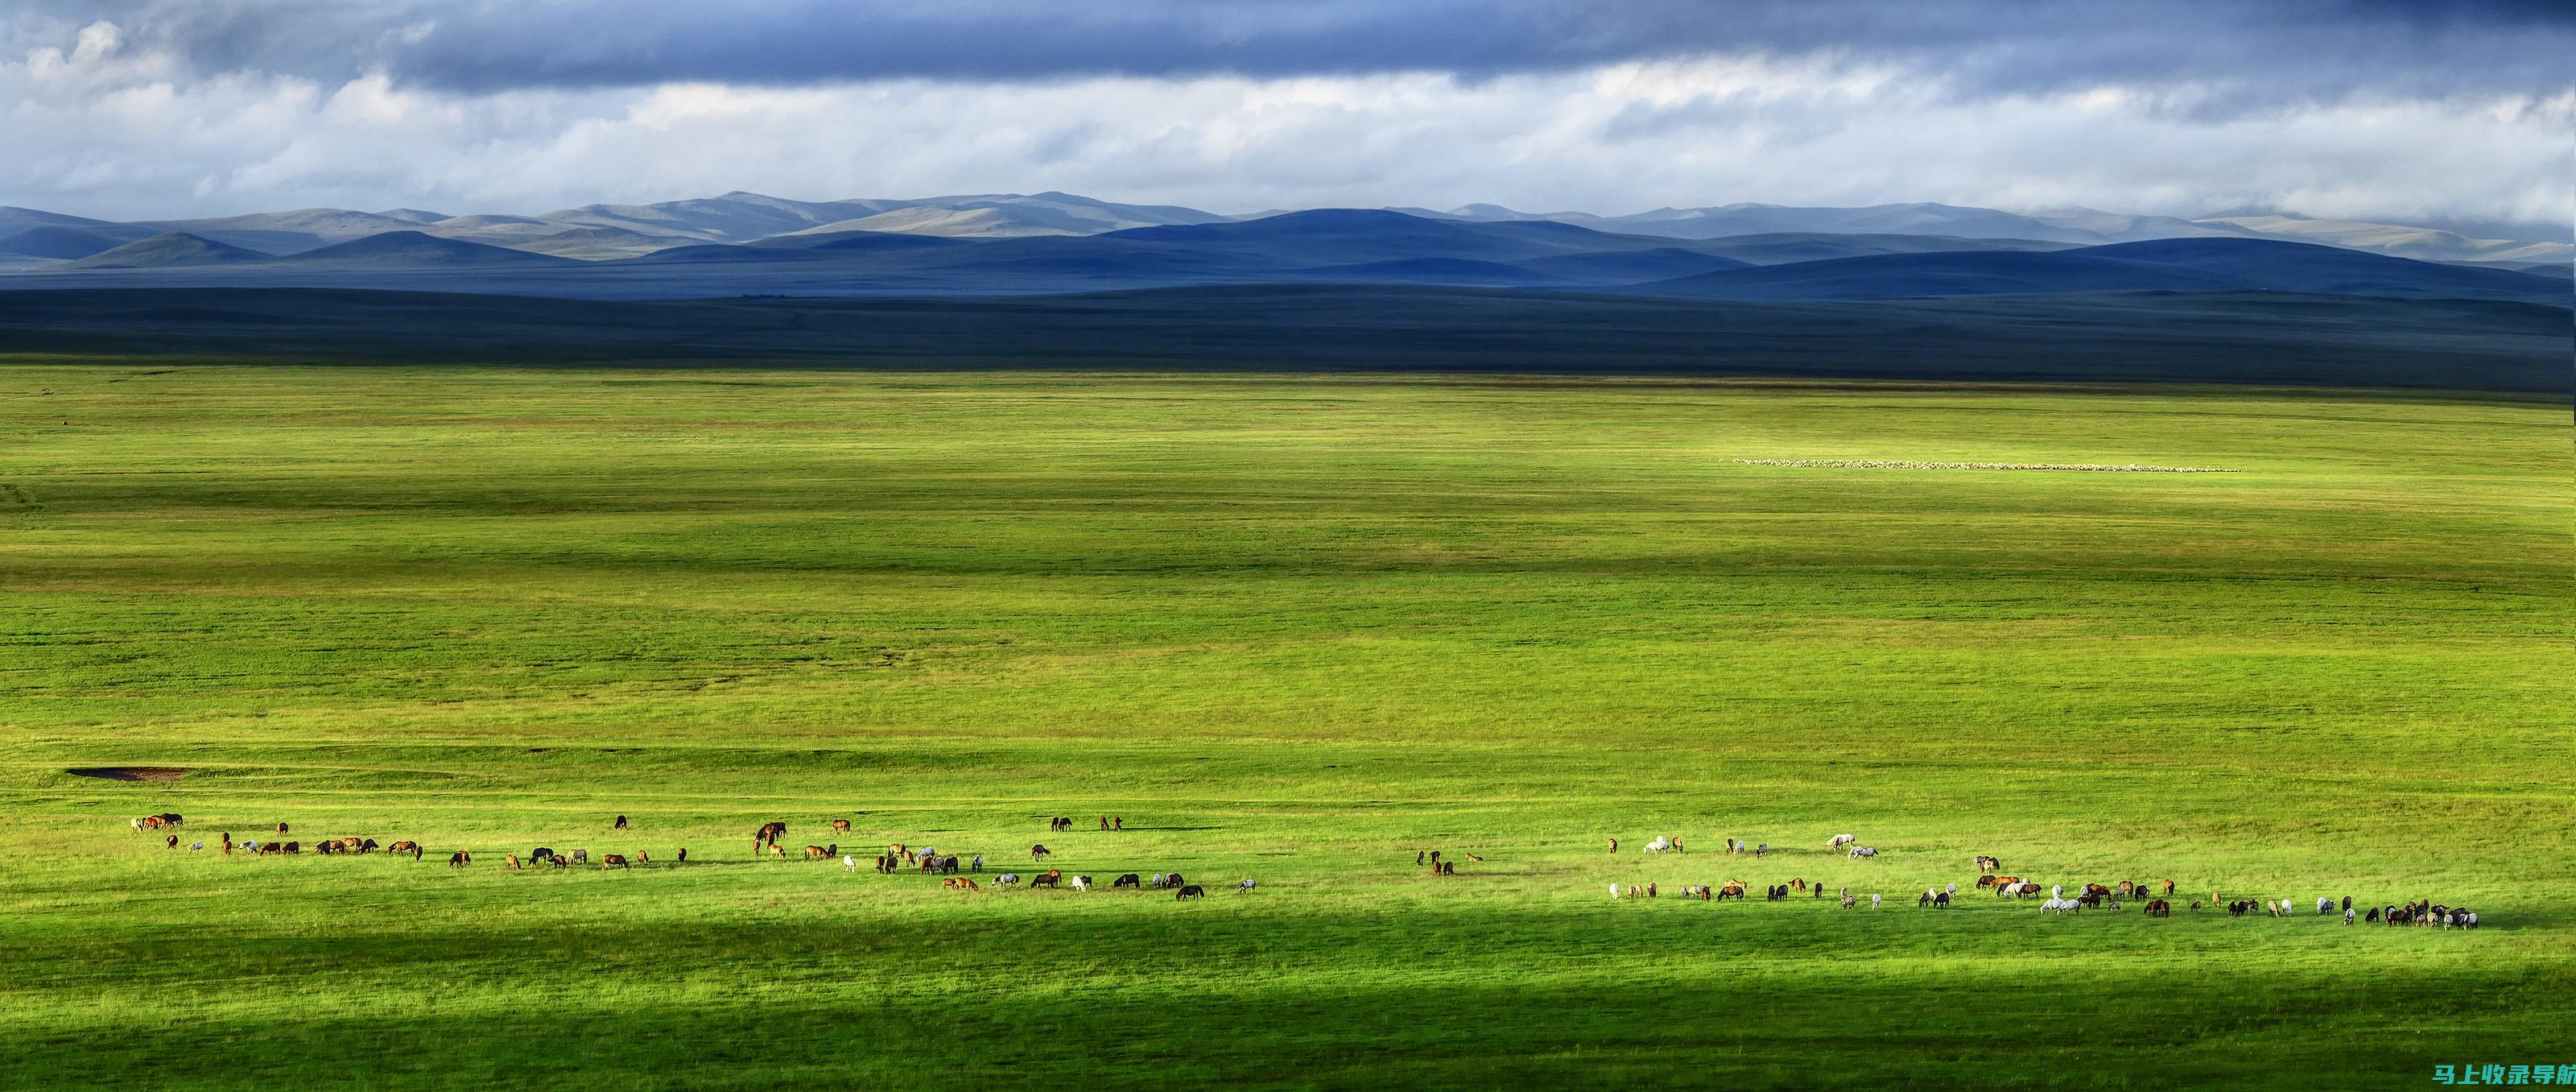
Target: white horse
(2285, 908)
(1861, 853)
(1006, 879)
(849, 863)
(1082, 883)
(1659, 845)
(1873, 902)
(1614, 890)
(1840, 840)
(1246, 885)
(2325, 906)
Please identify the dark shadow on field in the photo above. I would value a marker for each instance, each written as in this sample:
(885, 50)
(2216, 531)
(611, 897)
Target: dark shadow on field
(1207, 993)
(2200, 337)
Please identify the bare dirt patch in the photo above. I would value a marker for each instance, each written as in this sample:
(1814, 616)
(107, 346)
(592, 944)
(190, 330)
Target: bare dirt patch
(130, 773)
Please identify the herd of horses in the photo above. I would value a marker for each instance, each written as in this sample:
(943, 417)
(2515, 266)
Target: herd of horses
(929, 861)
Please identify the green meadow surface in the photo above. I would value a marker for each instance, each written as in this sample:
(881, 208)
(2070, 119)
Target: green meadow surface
(1293, 629)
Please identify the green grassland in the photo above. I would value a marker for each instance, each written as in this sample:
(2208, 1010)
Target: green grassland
(1293, 629)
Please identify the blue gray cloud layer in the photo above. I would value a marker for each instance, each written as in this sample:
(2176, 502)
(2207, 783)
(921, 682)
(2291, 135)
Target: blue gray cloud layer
(2450, 112)
(2266, 51)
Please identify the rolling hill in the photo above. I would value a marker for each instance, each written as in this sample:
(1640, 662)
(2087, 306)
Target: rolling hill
(288, 232)
(2301, 267)
(1888, 276)
(56, 241)
(176, 250)
(2164, 265)
(408, 249)
(2422, 244)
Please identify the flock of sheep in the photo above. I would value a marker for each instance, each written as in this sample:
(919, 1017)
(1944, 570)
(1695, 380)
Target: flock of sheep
(2090, 896)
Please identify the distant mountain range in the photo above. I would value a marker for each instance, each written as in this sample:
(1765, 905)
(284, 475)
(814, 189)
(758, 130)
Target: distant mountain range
(749, 244)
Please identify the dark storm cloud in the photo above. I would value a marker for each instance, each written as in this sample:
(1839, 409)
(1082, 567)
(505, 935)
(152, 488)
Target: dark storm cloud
(2231, 52)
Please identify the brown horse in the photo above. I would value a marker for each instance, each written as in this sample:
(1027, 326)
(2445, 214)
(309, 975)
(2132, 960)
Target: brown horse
(613, 860)
(840, 826)
(458, 859)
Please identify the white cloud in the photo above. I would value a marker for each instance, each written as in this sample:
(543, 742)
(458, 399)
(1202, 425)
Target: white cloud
(102, 126)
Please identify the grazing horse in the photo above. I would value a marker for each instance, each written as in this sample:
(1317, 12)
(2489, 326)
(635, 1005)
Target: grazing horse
(1840, 840)
(849, 863)
(1732, 888)
(621, 822)
(581, 856)
(1448, 868)
(613, 860)
(1059, 823)
(959, 883)
(404, 846)
(457, 859)
(1128, 880)
(1659, 845)
(769, 832)
(1190, 891)
(2160, 909)
(1082, 883)
(840, 826)
(1857, 853)
(1848, 900)
(1048, 878)
(817, 853)
(1005, 879)
(1989, 864)
(1037, 852)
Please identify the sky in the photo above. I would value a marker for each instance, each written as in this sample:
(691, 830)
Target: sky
(2453, 114)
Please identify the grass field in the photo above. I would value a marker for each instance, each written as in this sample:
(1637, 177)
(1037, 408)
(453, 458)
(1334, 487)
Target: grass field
(1293, 629)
